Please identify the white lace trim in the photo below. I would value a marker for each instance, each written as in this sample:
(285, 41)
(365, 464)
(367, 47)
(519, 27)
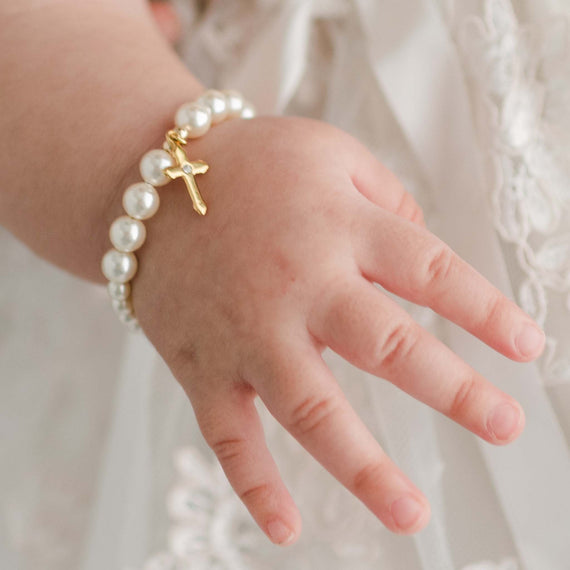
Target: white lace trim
(210, 528)
(521, 80)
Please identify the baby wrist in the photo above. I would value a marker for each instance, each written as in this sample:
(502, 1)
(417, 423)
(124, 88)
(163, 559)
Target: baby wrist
(158, 167)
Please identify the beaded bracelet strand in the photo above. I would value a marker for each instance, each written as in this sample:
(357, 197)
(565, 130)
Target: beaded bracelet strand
(157, 168)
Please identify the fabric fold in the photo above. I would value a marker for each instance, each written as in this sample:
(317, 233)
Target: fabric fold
(275, 59)
(121, 522)
(417, 68)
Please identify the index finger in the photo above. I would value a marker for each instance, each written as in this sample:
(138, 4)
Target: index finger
(411, 262)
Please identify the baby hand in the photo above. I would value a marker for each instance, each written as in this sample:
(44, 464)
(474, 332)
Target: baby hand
(302, 220)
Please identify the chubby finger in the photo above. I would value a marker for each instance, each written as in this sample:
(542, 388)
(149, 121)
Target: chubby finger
(416, 265)
(232, 428)
(300, 391)
(364, 326)
(379, 184)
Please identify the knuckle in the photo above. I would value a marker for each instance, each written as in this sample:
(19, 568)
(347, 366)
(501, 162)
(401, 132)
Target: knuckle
(439, 266)
(402, 207)
(492, 314)
(393, 347)
(418, 216)
(464, 398)
(312, 413)
(219, 438)
(258, 494)
(408, 208)
(228, 449)
(368, 477)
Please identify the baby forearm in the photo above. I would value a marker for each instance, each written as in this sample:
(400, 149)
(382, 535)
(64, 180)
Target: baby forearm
(85, 90)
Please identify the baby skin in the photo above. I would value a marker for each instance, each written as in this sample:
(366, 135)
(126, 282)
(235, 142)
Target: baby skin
(302, 222)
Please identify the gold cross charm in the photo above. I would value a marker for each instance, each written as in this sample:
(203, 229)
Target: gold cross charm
(186, 169)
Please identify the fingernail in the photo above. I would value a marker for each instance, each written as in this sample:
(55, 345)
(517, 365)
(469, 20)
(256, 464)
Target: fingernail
(529, 340)
(406, 511)
(279, 532)
(503, 421)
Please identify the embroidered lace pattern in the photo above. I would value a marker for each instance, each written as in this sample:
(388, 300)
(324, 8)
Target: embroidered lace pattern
(521, 86)
(210, 528)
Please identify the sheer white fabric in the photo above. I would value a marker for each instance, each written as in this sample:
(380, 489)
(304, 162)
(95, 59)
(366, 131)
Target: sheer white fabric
(468, 103)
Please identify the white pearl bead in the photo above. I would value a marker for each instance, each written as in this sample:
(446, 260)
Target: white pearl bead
(129, 320)
(217, 103)
(119, 266)
(141, 201)
(127, 234)
(118, 290)
(125, 312)
(248, 111)
(235, 102)
(122, 306)
(152, 165)
(195, 117)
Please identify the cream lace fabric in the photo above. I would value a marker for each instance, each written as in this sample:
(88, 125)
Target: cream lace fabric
(468, 102)
(521, 91)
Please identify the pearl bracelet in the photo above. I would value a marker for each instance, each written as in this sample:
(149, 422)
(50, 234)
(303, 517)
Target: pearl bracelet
(157, 168)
